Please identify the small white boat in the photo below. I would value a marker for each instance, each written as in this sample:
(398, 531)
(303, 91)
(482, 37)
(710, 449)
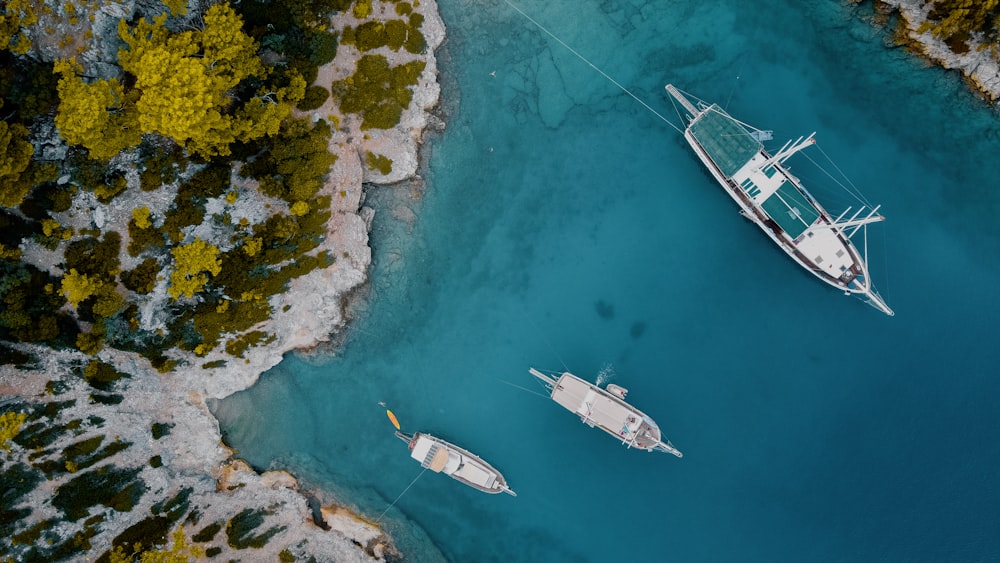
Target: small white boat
(444, 457)
(777, 202)
(607, 410)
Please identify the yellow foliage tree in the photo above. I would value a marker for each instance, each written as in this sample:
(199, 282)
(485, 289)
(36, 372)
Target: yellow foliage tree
(233, 53)
(77, 287)
(141, 217)
(15, 16)
(15, 155)
(252, 247)
(263, 115)
(191, 261)
(185, 81)
(95, 115)
(10, 426)
(958, 18)
(180, 552)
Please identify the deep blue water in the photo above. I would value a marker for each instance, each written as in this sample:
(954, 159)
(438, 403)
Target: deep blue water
(566, 225)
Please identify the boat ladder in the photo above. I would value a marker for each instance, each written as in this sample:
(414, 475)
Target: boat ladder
(430, 456)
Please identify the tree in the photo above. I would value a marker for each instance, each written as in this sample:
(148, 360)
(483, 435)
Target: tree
(16, 15)
(77, 287)
(15, 155)
(294, 166)
(959, 18)
(191, 261)
(10, 426)
(180, 552)
(377, 91)
(187, 81)
(96, 115)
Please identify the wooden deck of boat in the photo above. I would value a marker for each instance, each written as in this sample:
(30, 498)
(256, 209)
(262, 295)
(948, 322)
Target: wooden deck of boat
(591, 404)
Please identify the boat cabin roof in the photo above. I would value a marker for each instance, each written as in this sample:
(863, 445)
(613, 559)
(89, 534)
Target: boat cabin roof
(441, 457)
(728, 143)
(741, 157)
(590, 402)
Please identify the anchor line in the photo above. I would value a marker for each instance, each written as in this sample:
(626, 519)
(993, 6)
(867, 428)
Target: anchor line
(379, 519)
(523, 388)
(593, 66)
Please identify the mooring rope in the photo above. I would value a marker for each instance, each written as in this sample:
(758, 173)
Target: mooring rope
(379, 519)
(522, 388)
(593, 66)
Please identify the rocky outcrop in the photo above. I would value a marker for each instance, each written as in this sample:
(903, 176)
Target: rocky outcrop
(979, 64)
(168, 451)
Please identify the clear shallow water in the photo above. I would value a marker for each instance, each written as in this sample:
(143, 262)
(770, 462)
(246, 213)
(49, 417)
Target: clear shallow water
(564, 224)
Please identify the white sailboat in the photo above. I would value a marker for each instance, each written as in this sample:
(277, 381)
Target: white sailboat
(606, 409)
(777, 202)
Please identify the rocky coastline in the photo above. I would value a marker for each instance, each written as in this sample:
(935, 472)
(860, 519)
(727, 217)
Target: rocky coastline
(158, 425)
(979, 64)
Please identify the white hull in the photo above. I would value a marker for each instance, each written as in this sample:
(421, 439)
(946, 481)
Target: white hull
(607, 410)
(458, 463)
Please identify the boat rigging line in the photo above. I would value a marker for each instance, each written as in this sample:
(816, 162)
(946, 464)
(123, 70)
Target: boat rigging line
(593, 66)
(379, 519)
(522, 388)
(853, 190)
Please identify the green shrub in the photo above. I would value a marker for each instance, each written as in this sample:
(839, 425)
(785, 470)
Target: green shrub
(184, 213)
(107, 399)
(111, 187)
(95, 257)
(144, 535)
(101, 375)
(415, 41)
(174, 507)
(82, 448)
(207, 533)
(323, 47)
(377, 91)
(294, 167)
(239, 527)
(238, 346)
(314, 98)
(91, 342)
(18, 481)
(16, 358)
(142, 279)
(143, 239)
(159, 166)
(118, 489)
(161, 429)
(378, 162)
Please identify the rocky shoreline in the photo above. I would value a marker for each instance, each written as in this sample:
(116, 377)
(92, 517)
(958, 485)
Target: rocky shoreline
(978, 65)
(184, 462)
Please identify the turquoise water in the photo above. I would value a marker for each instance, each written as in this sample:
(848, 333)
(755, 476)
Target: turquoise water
(566, 225)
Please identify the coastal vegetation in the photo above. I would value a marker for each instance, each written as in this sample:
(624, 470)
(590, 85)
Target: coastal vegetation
(218, 122)
(958, 21)
(159, 187)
